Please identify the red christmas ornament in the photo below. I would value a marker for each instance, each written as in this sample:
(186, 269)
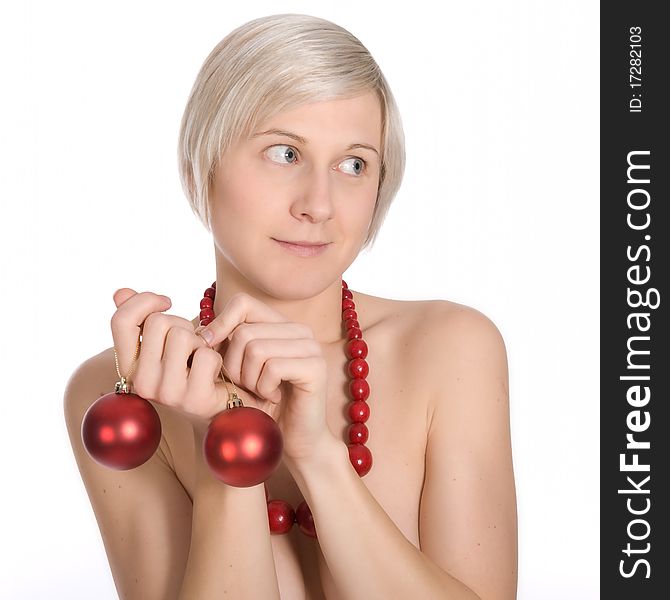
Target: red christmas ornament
(121, 430)
(281, 515)
(243, 446)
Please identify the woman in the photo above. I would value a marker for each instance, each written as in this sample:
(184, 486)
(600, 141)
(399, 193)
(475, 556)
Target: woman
(291, 150)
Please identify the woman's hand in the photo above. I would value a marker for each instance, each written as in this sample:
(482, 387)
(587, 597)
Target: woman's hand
(281, 365)
(162, 373)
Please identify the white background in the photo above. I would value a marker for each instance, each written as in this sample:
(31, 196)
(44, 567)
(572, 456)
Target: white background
(498, 210)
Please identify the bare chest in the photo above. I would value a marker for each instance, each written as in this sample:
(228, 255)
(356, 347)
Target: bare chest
(398, 425)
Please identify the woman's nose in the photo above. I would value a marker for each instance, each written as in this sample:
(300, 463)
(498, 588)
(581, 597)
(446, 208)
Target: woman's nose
(314, 197)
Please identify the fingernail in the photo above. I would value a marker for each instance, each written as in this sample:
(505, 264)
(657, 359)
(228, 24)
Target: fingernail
(207, 335)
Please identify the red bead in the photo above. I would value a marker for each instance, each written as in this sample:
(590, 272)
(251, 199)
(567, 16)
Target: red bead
(214, 285)
(121, 431)
(205, 322)
(243, 446)
(359, 389)
(359, 411)
(281, 517)
(206, 313)
(357, 349)
(358, 368)
(344, 284)
(210, 293)
(349, 313)
(361, 458)
(305, 520)
(358, 433)
(348, 303)
(354, 333)
(351, 324)
(206, 303)
(347, 293)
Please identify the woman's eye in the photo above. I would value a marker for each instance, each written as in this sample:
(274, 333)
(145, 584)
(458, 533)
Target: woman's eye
(287, 154)
(282, 151)
(357, 165)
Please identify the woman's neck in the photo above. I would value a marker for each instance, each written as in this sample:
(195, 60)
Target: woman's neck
(321, 312)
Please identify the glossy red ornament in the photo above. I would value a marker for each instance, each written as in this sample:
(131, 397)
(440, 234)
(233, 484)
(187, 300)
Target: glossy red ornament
(243, 446)
(121, 431)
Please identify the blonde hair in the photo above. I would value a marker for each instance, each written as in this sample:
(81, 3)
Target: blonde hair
(270, 65)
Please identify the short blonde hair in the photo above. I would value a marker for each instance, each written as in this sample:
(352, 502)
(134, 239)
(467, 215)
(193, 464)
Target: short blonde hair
(270, 65)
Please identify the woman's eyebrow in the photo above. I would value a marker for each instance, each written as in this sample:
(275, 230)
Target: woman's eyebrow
(302, 140)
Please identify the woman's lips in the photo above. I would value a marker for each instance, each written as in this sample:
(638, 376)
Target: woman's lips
(302, 248)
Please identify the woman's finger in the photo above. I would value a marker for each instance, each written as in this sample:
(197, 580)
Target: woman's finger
(301, 374)
(149, 371)
(246, 332)
(121, 295)
(133, 309)
(179, 345)
(241, 308)
(204, 373)
(259, 351)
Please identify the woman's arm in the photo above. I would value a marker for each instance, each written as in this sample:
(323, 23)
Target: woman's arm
(144, 514)
(468, 507)
(231, 554)
(159, 545)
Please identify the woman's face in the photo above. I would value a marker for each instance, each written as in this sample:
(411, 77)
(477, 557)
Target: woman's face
(306, 175)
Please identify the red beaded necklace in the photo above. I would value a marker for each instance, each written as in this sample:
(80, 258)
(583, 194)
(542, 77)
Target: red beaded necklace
(281, 515)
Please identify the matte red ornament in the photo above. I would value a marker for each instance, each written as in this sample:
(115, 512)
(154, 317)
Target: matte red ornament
(121, 431)
(281, 516)
(243, 446)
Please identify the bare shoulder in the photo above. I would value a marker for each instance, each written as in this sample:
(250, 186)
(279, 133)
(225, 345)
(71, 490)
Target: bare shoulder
(442, 324)
(435, 335)
(454, 358)
(94, 377)
(458, 349)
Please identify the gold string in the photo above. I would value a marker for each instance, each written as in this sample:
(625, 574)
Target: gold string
(233, 397)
